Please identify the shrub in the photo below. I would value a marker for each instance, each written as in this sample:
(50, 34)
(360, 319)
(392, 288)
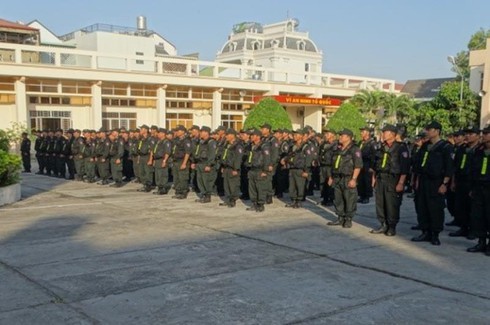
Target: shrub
(9, 168)
(268, 110)
(347, 117)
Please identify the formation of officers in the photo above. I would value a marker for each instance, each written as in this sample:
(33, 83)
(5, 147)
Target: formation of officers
(258, 164)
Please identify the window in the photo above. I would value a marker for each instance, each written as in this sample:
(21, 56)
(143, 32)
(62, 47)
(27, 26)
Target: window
(7, 99)
(174, 119)
(307, 67)
(140, 62)
(179, 104)
(232, 121)
(301, 45)
(112, 120)
(140, 53)
(231, 107)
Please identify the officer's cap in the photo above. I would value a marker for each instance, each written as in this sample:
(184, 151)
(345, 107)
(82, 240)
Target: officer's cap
(472, 129)
(154, 127)
(205, 129)
(77, 131)
(180, 127)
(59, 130)
(401, 129)
(365, 128)
(221, 128)
(486, 130)
(346, 132)
(136, 130)
(266, 126)
(231, 131)
(102, 130)
(278, 131)
(459, 133)
(162, 130)
(243, 131)
(327, 130)
(24, 133)
(286, 131)
(70, 130)
(390, 127)
(86, 131)
(434, 125)
(255, 132)
(144, 126)
(299, 131)
(194, 127)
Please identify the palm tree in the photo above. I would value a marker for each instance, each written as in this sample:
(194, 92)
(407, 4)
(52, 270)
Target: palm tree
(397, 108)
(369, 103)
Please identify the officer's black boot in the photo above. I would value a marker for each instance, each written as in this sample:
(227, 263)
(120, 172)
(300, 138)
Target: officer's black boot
(297, 205)
(425, 236)
(381, 230)
(461, 232)
(338, 222)
(291, 205)
(224, 204)
(416, 227)
(435, 239)
(232, 203)
(347, 223)
(268, 199)
(253, 207)
(391, 231)
(260, 208)
(206, 198)
(480, 247)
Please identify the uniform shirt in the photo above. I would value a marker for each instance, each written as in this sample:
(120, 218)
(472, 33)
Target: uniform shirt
(162, 148)
(144, 145)
(274, 149)
(88, 151)
(116, 149)
(300, 157)
(259, 156)
(345, 161)
(436, 160)
(25, 146)
(480, 166)
(37, 144)
(102, 148)
(462, 161)
(59, 145)
(325, 154)
(205, 152)
(392, 160)
(194, 143)
(233, 155)
(77, 145)
(284, 148)
(368, 151)
(181, 147)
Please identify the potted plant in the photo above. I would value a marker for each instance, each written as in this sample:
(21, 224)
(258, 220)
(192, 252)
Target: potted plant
(10, 165)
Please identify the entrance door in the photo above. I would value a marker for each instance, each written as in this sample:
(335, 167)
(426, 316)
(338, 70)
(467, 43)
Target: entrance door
(48, 123)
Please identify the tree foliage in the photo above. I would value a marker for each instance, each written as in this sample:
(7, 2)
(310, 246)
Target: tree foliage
(268, 110)
(347, 116)
(10, 164)
(478, 41)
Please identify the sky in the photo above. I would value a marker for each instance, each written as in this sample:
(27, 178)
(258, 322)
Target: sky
(393, 39)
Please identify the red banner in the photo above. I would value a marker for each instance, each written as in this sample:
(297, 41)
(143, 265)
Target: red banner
(304, 101)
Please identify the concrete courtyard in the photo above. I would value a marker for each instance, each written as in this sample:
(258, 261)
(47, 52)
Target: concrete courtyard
(76, 253)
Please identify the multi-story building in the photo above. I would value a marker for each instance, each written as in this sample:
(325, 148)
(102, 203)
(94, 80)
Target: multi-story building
(117, 76)
(480, 80)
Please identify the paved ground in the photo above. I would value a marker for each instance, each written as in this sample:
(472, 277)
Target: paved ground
(75, 253)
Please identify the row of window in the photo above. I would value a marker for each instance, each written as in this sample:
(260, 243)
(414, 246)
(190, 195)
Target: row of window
(54, 100)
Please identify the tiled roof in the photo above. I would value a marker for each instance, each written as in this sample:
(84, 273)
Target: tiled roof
(424, 88)
(11, 25)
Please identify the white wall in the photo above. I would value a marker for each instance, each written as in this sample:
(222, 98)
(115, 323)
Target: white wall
(8, 116)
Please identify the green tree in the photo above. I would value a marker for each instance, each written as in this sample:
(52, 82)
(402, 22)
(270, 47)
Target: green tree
(369, 103)
(268, 110)
(478, 41)
(396, 108)
(347, 116)
(10, 164)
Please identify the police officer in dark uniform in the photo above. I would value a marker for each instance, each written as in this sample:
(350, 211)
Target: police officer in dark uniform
(102, 149)
(50, 155)
(391, 166)
(144, 149)
(273, 145)
(88, 152)
(282, 172)
(432, 182)
(25, 150)
(220, 149)
(247, 146)
(480, 194)
(205, 160)
(458, 141)
(326, 149)
(367, 146)
(181, 153)
(298, 161)
(116, 153)
(346, 166)
(231, 163)
(76, 150)
(161, 155)
(37, 147)
(460, 183)
(59, 153)
(132, 145)
(194, 135)
(259, 161)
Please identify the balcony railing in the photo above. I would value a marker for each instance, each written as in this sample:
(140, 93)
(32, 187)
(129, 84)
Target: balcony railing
(80, 59)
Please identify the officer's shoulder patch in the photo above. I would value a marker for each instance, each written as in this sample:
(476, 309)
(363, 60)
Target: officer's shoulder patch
(240, 150)
(358, 154)
(276, 144)
(266, 151)
(107, 143)
(188, 144)
(405, 154)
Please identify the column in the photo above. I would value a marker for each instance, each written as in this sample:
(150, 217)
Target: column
(216, 112)
(162, 106)
(96, 122)
(21, 101)
(313, 117)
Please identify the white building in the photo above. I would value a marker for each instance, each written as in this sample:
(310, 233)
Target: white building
(106, 81)
(480, 80)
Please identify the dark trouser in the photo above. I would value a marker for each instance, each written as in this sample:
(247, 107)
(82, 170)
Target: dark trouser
(314, 182)
(219, 183)
(103, 167)
(231, 184)
(269, 187)
(388, 201)
(70, 164)
(90, 168)
(146, 178)
(161, 175)
(193, 180)
(26, 161)
(282, 180)
(244, 182)
(79, 166)
(136, 166)
(430, 204)
(181, 178)
(480, 209)
(364, 184)
(40, 161)
(51, 164)
(61, 166)
(127, 168)
(345, 198)
(205, 179)
(462, 203)
(296, 184)
(257, 186)
(451, 203)
(327, 191)
(116, 170)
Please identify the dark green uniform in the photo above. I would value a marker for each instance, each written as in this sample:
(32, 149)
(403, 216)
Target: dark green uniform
(39, 154)
(50, 156)
(161, 152)
(244, 171)
(116, 153)
(88, 152)
(282, 172)
(102, 155)
(231, 162)
(25, 150)
(133, 156)
(181, 147)
(390, 163)
(325, 157)
(436, 163)
(59, 151)
(344, 161)
(76, 150)
(364, 184)
(205, 156)
(144, 149)
(273, 144)
(299, 161)
(259, 160)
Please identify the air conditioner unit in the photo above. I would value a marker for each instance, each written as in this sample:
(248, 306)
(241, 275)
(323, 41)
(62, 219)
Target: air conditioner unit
(300, 112)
